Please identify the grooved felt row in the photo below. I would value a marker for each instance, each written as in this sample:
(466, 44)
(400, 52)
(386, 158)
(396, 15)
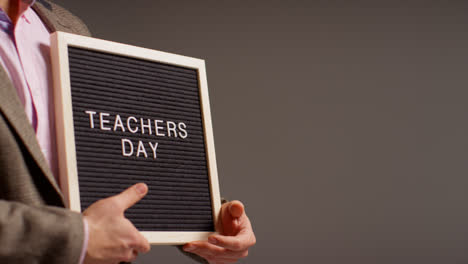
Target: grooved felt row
(175, 171)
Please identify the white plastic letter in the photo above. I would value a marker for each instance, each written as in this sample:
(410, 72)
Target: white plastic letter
(124, 152)
(154, 148)
(157, 128)
(91, 118)
(103, 121)
(183, 132)
(141, 148)
(171, 126)
(118, 123)
(143, 125)
(128, 124)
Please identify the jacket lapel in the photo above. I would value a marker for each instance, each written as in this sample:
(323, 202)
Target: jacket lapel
(13, 110)
(56, 19)
(10, 104)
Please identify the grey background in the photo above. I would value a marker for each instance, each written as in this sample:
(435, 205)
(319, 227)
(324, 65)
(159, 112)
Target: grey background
(342, 125)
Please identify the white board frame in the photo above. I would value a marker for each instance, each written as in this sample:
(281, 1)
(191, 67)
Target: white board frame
(68, 171)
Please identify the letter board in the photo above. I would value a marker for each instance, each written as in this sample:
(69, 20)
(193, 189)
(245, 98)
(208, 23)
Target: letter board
(126, 114)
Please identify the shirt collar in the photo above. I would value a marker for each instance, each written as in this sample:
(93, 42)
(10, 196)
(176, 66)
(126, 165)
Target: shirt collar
(5, 22)
(24, 5)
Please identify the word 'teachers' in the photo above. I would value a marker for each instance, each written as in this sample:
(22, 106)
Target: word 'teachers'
(134, 125)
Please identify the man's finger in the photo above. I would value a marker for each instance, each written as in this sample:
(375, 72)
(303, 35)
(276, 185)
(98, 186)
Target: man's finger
(131, 196)
(142, 244)
(232, 218)
(204, 249)
(236, 243)
(131, 256)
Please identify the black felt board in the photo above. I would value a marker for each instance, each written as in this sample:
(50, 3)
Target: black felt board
(179, 190)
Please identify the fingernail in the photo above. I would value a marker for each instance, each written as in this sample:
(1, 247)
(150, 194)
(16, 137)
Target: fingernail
(213, 240)
(141, 188)
(189, 248)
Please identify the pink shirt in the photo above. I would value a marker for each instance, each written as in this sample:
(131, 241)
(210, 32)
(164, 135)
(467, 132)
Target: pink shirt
(25, 55)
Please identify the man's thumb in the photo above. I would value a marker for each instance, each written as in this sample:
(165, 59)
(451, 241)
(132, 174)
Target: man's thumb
(132, 195)
(236, 209)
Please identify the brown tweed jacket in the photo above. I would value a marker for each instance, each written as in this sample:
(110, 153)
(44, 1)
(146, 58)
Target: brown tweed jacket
(34, 226)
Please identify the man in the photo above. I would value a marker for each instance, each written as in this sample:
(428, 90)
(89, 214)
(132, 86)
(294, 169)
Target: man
(34, 225)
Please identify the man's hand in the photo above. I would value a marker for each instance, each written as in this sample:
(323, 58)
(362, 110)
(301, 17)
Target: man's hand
(112, 237)
(234, 238)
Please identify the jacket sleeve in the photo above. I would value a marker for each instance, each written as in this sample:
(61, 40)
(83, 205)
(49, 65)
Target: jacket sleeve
(39, 234)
